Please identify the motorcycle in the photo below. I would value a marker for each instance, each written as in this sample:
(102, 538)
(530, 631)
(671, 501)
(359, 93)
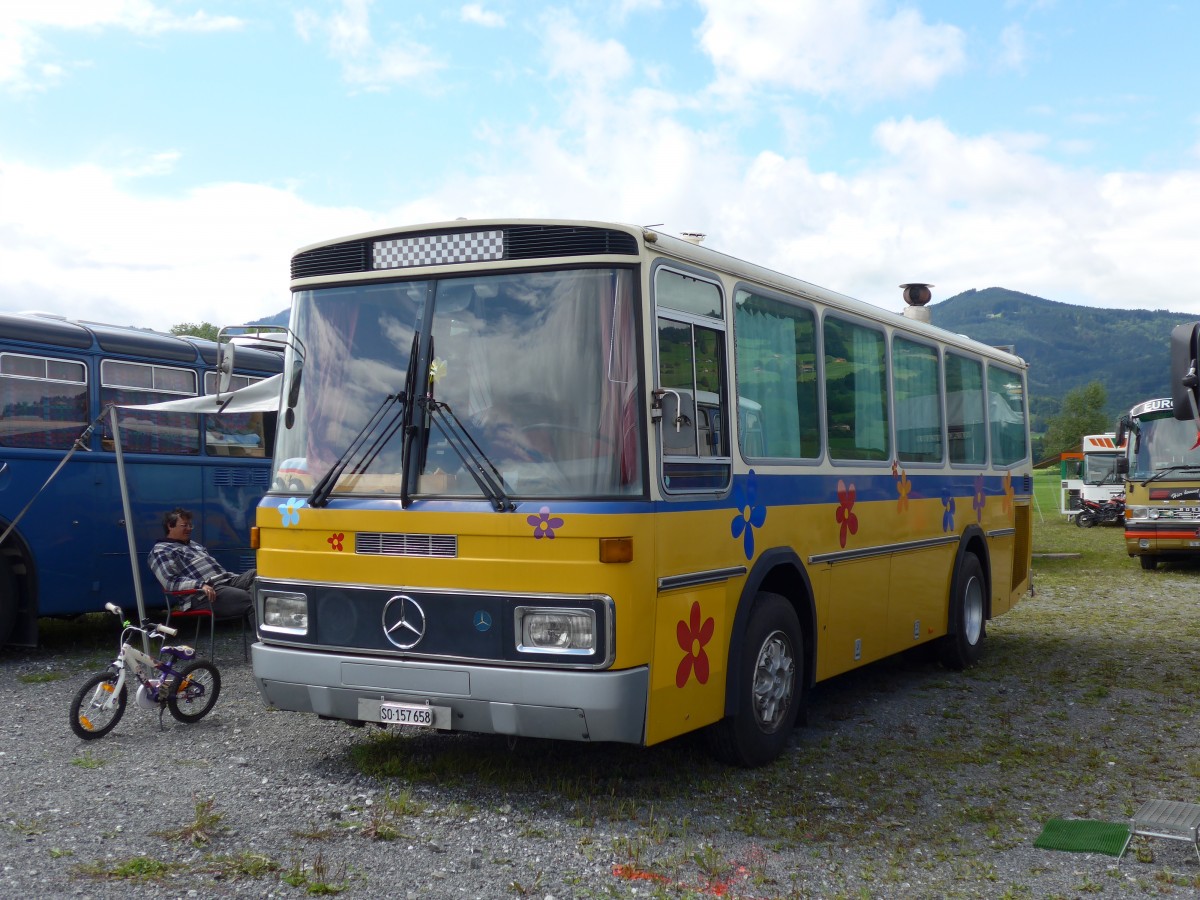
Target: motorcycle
(1093, 512)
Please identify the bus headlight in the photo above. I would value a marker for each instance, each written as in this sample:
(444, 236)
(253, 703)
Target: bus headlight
(285, 612)
(542, 629)
(1139, 512)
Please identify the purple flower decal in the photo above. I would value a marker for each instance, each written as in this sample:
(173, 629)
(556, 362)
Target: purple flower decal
(947, 511)
(980, 498)
(749, 515)
(543, 524)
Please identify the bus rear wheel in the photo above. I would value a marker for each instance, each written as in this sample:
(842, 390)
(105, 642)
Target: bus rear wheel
(9, 599)
(769, 689)
(963, 646)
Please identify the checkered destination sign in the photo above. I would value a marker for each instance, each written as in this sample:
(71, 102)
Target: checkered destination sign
(438, 249)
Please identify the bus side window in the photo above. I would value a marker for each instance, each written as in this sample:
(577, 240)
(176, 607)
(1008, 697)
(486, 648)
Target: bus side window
(43, 401)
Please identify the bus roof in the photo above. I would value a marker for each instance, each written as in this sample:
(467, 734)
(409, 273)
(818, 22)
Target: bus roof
(513, 241)
(44, 328)
(1100, 443)
(1164, 404)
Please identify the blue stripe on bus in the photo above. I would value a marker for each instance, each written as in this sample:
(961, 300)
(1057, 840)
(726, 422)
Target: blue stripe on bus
(769, 490)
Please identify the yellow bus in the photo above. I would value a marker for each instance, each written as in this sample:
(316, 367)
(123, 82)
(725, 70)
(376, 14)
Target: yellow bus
(592, 482)
(1162, 484)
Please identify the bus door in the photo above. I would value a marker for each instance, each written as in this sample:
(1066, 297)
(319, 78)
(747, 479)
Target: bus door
(692, 524)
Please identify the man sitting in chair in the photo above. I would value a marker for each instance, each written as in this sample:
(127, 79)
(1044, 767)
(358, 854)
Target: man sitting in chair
(180, 564)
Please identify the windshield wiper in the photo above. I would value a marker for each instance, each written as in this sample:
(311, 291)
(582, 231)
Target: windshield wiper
(482, 469)
(371, 438)
(1168, 470)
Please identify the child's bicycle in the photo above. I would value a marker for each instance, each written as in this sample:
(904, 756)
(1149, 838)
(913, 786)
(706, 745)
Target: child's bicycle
(188, 692)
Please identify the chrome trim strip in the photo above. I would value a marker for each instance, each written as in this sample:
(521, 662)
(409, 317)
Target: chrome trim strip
(693, 579)
(1001, 532)
(884, 550)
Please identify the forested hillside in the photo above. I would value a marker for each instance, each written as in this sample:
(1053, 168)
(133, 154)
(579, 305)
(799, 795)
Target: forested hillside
(1067, 346)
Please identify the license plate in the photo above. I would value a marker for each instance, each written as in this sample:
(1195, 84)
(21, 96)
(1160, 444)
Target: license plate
(406, 714)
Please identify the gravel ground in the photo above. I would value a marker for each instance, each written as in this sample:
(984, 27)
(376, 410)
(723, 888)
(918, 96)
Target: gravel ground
(908, 781)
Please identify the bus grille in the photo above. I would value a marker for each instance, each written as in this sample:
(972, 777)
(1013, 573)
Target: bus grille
(229, 476)
(352, 256)
(520, 242)
(439, 546)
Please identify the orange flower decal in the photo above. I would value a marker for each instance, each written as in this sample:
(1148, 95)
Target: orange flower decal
(692, 637)
(903, 485)
(846, 518)
(335, 540)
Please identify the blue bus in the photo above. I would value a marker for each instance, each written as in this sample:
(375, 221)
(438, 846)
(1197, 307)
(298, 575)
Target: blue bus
(69, 552)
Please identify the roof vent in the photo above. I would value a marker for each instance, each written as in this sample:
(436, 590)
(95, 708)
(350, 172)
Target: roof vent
(916, 295)
(693, 237)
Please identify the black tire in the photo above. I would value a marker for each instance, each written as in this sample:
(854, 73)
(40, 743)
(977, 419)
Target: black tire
(1085, 519)
(10, 599)
(197, 691)
(770, 689)
(1149, 563)
(963, 646)
(89, 720)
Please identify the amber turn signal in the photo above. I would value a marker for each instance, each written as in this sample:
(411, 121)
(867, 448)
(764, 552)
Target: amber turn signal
(616, 550)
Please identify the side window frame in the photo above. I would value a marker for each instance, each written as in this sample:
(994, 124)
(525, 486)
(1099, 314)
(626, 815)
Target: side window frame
(809, 309)
(976, 462)
(681, 408)
(46, 436)
(881, 457)
(939, 400)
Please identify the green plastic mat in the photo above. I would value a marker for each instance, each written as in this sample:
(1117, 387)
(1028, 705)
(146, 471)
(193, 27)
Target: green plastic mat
(1084, 836)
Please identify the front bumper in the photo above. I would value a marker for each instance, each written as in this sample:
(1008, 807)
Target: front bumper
(526, 702)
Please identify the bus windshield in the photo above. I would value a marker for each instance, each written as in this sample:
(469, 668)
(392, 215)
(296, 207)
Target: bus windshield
(1162, 443)
(539, 369)
(1100, 468)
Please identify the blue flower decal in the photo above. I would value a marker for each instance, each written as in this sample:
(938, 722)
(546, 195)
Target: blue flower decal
(291, 513)
(947, 511)
(749, 515)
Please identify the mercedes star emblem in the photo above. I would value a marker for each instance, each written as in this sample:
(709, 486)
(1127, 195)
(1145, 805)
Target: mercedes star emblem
(403, 622)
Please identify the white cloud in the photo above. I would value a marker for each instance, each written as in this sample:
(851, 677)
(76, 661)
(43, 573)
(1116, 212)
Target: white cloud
(27, 28)
(475, 14)
(849, 48)
(79, 243)
(366, 63)
(1013, 48)
(576, 58)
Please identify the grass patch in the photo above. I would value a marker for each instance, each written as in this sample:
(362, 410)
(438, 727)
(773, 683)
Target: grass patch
(201, 830)
(135, 869)
(41, 677)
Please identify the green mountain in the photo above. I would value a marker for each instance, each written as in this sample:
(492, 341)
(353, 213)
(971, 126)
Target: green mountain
(1068, 346)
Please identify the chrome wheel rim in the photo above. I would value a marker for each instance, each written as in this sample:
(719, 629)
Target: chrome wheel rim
(973, 611)
(774, 681)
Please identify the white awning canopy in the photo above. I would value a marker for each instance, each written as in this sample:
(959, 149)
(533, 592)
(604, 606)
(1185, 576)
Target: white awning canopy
(262, 396)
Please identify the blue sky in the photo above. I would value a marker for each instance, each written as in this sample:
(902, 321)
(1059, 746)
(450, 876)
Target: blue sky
(160, 160)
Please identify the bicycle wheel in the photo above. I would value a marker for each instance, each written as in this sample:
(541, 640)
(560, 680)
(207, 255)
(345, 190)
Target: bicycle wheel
(197, 692)
(89, 717)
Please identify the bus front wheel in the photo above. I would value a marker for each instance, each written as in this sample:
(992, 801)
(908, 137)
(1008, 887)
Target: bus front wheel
(769, 689)
(963, 646)
(1149, 563)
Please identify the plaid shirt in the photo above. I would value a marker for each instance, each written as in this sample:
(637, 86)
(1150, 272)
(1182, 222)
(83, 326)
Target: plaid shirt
(185, 566)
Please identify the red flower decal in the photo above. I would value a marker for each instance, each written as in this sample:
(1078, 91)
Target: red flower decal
(692, 637)
(335, 540)
(846, 518)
